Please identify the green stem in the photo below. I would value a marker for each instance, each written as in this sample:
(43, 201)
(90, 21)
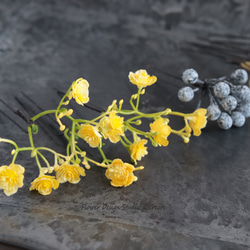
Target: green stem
(33, 148)
(103, 155)
(43, 113)
(9, 141)
(62, 100)
(132, 104)
(123, 143)
(138, 98)
(43, 158)
(177, 113)
(97, 163)
(127, 140)
(137, 131)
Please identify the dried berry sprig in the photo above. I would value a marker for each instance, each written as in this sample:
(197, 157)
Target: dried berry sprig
(229, 96)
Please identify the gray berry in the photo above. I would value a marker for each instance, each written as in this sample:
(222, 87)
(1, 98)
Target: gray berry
(190, 76)
(213, 112)
(238, 119)
(186, 94)
(240, 76)
(241, 92)
(229, 103)
(221, 89)
(244, 108)
(225, 121)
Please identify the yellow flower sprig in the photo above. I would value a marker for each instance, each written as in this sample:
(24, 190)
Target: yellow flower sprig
(114, 125)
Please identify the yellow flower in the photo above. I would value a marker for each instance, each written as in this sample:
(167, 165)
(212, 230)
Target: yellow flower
(120, 174)
(80, 91)
(112, 127)
(11, 178)
(197, 121)
(162, 131)
(70, 173)
(90, 134)
(138, 149)
(141, 78)
(44, 184)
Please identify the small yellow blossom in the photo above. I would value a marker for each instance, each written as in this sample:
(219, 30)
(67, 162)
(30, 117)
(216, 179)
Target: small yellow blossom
(112, 127)
(141, 78)
(138, 149)
(70, 173)
(44, 184)
(80, 91)
(162, 131)
(11, 178)
(197, 121)
(90, 134)
(120, 173)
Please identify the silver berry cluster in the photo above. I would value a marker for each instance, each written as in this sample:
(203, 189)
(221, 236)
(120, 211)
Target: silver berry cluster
(229, 96)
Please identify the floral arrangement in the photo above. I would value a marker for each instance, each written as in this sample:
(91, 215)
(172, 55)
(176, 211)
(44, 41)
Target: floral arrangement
(113, 125)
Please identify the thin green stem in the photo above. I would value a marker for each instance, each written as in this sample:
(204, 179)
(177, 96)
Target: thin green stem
(127, 140)
(177, 113)
(136, 130)
(138, 98)
(123, 143)
(43, 113)
(62, 100)
(97, 163)
(43, 158)
(102, 154)
(9, 141)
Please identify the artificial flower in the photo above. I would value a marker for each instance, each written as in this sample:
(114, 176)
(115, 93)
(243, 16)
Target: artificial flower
(112, 127)
(70, 173)
(141, 78)
(44, 184)
(90, 134)
(161, 131)
(120, 173)
(80, 91)
(11, 178)
(197, 120)
(138, 149)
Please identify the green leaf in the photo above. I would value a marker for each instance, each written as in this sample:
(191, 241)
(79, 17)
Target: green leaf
(34, 129)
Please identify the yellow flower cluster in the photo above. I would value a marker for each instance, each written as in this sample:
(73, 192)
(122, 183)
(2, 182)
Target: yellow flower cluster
(115, 124)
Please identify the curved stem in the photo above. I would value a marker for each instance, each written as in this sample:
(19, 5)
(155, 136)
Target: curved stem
(43, 113)
(9, 141)
(138, 98)
(62, 100)
(43, 158)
